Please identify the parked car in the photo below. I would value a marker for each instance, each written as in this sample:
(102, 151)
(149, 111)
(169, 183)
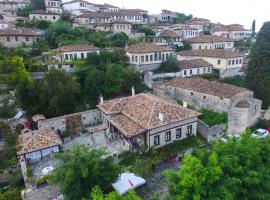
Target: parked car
(260, 133)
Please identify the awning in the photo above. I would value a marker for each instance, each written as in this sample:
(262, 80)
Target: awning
(127, 181)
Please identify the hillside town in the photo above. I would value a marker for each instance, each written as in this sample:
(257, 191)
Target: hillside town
(100, 102)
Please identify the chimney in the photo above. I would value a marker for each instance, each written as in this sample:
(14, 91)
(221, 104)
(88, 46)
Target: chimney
(185, 104)
(132, 91)
(161, 116)
(101, 99)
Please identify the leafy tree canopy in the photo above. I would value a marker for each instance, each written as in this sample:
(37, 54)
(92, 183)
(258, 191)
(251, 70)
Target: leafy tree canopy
(80, 170)
(181, 18)
(237, 169)
(258, 71)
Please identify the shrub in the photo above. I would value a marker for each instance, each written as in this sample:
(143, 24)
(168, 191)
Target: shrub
(15, 179)
(212, 118)
(14, 194)
(6, 111)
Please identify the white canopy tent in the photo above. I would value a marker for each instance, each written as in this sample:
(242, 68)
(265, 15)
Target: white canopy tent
(127, 181)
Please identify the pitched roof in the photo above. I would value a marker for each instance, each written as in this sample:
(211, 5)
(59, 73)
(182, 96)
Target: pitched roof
(76, 47)
(15, 31)
(215, 53)
(37, 140)
(141, 112)
(208, 39)
(144, 47)
(189, 64)
(169, 33)
(199, 19)
(90, 14)
(229, 28)
(201, 85)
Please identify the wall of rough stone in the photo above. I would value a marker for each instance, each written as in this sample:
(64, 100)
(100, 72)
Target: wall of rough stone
(213, 133)
(90, 117)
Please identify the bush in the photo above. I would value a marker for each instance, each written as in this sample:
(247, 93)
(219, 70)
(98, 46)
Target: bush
(239, 81)
(169, 65)
(15, 179)
(14, 194)
(212, 118)
(7, 111)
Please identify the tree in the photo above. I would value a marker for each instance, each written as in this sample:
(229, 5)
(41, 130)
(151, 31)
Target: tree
(81, 169)
(119, 40)
(97, 194)
(181, 18)
(186, 46)
(169, 65)
(258, 70)
(253, 28)
(237, 169)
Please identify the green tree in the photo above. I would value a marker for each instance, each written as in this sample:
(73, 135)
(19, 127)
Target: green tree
(97, 194)
(186, 46)
(81, 169)
(119, 40)
(258, 71)
(253, 28)
(237, 169)
(181, 18)
(169, 65)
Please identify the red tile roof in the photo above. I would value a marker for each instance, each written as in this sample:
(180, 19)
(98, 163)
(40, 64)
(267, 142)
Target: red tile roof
(208, 39)
(201, 85)
(215, 53)
(189, 64)
(77, 47)
(17, 32)
(146, 48)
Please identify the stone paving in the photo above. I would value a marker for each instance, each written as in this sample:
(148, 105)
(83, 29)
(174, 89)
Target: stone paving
(37, 167)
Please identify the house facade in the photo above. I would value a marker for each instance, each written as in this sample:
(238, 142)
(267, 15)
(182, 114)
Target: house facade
(226, 63)
(233, 31)
(16, 37)
(210, 42)
(186, 31)
(53, 6)
(44, 15)
(78, 7)
(242, 108)
(35, 145)
(145, 120)
(147, 56)
(194, 67)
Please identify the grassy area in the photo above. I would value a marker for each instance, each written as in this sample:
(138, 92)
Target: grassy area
(236, 80)
(212, 118)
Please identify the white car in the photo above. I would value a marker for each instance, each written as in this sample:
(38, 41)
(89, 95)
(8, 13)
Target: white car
(260, 133)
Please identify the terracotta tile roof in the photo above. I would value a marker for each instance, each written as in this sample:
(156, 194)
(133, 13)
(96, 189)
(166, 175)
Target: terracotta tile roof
(199, 19)
(169, 33)
(189, 64)
(19, 32)
(120, 22)
(91, 14)
(143, 110)
(126, 125)
(184, 27)
(76, 47)
(205, 86)
(208, 39)
(229, 28)
(215, 53)
(43, 12)
(37, 140)
(144, 47)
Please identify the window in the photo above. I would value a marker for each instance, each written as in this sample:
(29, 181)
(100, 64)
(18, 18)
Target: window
(75, 56)
(142, 58)
(190, 71)
(240, 61)
(233, 62)
(204, 97)
(189, 130)
(209, 69)
(146, 58)
(230, 62)
(218, 62)
(136, 59)
(185, 72)
(178, 133)
(66, 56)
(191, 93)
(16, 38)
(151, 58)
(168, 136)
(155, 56)
(156, 140)
(71, 56)
(82, 55)
(204, 70)
(27, 38)
(53, 17)
(198, 70)
(132, 58)
(237, 62)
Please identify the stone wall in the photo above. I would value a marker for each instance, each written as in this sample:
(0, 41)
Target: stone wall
(88, 118)
(211, 133)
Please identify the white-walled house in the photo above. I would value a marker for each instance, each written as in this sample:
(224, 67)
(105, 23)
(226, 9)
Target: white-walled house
(227, 63)
(146, 120)
(194, 67)
(186, 31)
(74, 51)
(44, 15)
(210, 42)
(233, 31)
(147, 56)
(35, 145)
(53, 6)
(12, 37)
(78, 7)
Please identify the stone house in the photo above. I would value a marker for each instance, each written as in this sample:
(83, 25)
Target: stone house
(35, 145)
(233, 31)
(44, 15)
(242, 108)
(210, 42)
(199, 23)
(226, 63)
(106, 8)
(5, 24)
(147, 56)
(147, 120)
(12, 37)
(168, 38)
(53, 6)
(186, 31)
(167, 16)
